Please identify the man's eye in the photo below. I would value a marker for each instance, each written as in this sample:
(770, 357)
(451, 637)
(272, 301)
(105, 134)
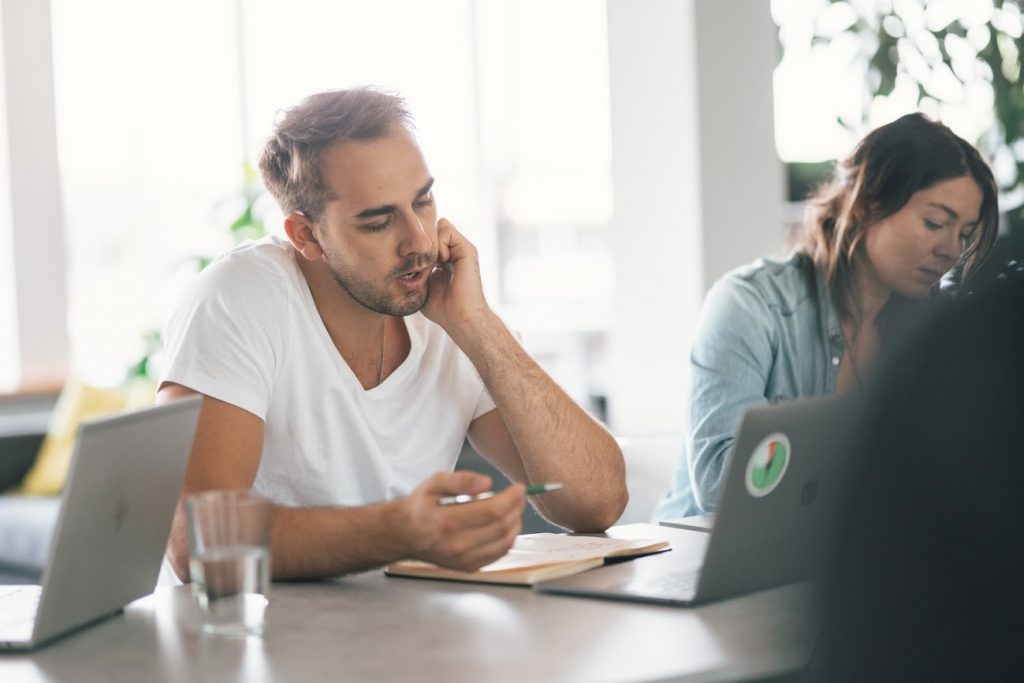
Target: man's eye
(424, 201)
(377, 227)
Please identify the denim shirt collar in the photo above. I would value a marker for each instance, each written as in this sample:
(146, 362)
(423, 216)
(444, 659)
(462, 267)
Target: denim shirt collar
(831, 331)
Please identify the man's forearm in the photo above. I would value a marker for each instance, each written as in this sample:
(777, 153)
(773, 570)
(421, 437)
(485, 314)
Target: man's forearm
(556, 439)
(311, 543)
(315, 543)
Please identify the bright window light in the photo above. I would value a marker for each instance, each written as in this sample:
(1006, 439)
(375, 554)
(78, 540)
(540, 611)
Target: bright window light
(155, 122)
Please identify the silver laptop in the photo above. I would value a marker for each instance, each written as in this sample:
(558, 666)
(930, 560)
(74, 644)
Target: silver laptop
(115, 516)
(772, 520)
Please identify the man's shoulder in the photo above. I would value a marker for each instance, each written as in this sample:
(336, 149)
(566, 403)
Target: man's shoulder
(254, 281)
(268, 254)
(253, 266)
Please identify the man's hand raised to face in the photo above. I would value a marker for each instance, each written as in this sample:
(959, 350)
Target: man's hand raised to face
(456, 295)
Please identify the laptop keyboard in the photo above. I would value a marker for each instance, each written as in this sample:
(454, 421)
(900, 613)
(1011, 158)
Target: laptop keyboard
(17, 606)
(680, 585)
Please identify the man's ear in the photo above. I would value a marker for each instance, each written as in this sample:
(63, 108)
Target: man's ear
(302, 233)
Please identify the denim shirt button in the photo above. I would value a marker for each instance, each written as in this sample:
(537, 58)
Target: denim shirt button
(835, 360)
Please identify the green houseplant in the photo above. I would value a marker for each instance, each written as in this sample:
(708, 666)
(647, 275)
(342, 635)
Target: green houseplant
(955, 61)
(248, 225)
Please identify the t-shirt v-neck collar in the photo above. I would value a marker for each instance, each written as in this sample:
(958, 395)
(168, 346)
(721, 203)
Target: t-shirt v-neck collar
(395, 379)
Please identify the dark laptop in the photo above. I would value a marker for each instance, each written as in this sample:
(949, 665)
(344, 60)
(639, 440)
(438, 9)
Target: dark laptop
(115, 516)
(782, 481)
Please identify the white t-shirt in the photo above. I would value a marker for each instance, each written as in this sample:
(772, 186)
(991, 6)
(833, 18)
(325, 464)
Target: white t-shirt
(248, 333)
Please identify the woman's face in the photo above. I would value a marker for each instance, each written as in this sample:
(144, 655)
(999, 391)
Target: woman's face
(910, 250)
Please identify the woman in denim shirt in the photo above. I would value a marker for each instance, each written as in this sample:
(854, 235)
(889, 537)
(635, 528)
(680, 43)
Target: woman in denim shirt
(910, 203)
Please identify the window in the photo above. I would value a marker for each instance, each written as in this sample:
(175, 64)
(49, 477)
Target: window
(153, 129)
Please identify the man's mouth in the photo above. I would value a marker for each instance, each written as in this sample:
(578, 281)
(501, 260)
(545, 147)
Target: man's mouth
(413, 278)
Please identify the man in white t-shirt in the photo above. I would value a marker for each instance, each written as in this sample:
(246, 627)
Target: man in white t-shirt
(342, 368)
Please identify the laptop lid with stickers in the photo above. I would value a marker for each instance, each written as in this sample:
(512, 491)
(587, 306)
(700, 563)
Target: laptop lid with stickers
(784, 480)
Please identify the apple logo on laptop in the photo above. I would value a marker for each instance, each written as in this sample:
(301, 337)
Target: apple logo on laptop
(120, 514)
(809, 492)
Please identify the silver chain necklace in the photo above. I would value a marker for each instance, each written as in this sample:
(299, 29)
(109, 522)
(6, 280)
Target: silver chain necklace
(383, 340)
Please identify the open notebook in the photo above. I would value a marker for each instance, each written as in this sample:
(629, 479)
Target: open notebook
(538, 557)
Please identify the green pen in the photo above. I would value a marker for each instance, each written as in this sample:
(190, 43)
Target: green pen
(531, 490)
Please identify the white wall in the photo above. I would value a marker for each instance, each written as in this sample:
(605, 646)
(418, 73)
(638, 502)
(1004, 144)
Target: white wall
(10, 373)
(698, 185)
(743, 188)
(655, 228)
(33, 205)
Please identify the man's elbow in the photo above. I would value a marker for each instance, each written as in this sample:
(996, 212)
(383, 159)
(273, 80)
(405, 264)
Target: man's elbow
(179, 563)
(615, 506)
(178, 555)
(614, 493)
(603, 513)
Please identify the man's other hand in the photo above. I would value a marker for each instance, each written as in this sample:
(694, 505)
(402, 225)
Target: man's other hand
(465, 536)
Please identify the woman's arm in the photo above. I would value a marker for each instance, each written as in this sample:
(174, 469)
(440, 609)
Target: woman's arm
(730, 362)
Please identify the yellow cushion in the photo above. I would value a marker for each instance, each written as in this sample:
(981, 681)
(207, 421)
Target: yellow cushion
(78, 402)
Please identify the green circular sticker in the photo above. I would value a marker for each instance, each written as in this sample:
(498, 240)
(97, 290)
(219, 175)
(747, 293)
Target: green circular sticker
(768, 464)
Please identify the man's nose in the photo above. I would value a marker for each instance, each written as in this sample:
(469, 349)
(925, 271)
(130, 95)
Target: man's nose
(416, 237)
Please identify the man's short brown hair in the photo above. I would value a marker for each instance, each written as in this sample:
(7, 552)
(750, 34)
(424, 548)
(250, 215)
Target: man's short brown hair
(290, 160)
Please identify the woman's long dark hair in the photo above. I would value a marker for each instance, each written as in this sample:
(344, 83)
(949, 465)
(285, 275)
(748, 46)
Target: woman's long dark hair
(888, 166)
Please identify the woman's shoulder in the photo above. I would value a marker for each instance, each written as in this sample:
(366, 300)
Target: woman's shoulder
(783, 283)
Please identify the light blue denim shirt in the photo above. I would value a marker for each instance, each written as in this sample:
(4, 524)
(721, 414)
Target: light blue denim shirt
(764, 336)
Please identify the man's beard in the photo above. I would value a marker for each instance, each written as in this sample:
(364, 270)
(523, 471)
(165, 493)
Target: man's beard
(377, 299)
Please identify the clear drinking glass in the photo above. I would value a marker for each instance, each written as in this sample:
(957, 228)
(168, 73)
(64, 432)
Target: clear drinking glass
(229, 544)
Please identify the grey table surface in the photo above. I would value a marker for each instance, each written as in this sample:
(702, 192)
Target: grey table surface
(370, 627)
